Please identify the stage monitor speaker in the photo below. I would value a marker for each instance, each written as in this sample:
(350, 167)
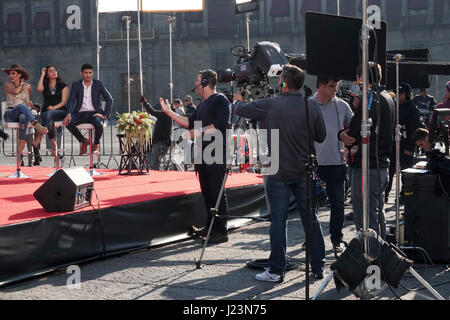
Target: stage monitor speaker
(426, 216)
(414, 73)
(67, 190)
(333, 45)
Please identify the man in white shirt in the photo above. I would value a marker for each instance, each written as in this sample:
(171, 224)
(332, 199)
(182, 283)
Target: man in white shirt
(84, 106)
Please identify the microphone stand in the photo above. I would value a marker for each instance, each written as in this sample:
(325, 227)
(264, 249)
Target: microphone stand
(311, 166)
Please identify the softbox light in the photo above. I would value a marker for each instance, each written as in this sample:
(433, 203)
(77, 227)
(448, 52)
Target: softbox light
(172, 5)
(117, 5)
(333, 45)
(245, 6)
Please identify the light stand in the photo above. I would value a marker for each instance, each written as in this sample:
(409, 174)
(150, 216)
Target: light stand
(171, 23)
(247, 23)
(140, 48)
(311, 167)
(372, 234)
(365, 233)
(98, 43)
(127, 19)
(365, 123)
(398, 136)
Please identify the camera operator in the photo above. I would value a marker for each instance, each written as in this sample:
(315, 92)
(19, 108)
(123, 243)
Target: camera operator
(214, 115)
(410, 119)
(286, 113)
(332, 169)
(381, 111)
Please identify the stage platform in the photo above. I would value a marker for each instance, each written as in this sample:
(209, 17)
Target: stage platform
(136, 211)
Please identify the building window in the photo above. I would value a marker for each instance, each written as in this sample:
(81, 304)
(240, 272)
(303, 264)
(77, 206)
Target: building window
(417, 12)
(41, 25)
(13, 27)
(280, 8)
(223, 59)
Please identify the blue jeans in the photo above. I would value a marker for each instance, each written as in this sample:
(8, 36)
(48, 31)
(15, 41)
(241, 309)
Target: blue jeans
(86, 117)
(48, 119)
(22, 114)
(376, 213)
(334, 177)
(278, 192)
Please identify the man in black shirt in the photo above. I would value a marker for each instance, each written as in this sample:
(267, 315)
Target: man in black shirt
(209, 123)
(161, 134)
(381, 111)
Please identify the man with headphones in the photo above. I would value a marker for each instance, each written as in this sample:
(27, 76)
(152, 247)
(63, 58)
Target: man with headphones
(286, 114)
(332, 168)
(209, 120)
(380, 141)
(410, 119)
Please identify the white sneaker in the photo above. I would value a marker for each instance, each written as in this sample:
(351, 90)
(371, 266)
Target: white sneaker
(267, 276)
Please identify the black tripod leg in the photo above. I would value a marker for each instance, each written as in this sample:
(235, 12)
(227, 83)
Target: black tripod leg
(214, 211)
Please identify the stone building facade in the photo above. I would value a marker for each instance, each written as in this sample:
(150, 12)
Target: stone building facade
(35, 33)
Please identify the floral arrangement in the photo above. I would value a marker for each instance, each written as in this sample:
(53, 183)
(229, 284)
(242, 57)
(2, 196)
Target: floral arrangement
(135, 125)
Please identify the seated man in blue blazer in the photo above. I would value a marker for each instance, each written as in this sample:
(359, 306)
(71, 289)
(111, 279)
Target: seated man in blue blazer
(84, 106)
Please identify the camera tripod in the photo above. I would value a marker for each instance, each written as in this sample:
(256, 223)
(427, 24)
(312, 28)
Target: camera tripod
(214, 212)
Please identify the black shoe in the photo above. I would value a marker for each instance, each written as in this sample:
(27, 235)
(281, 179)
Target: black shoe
(36, 162)
(4, 135)
(349, 216)
(216, 237)
(198, 232)
(317, 276)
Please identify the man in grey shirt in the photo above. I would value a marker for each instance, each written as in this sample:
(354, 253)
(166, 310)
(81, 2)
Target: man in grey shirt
(332, 169)
(286, 113)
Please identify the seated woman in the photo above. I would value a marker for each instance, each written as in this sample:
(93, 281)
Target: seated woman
(55, 93)
(18, 99)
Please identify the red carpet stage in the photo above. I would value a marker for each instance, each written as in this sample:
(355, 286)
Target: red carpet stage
(136, 211)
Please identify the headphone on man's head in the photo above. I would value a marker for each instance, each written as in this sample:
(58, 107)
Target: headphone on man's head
(205, 78)
(406, 88)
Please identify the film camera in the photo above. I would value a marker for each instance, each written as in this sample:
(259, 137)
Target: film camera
(253, 69)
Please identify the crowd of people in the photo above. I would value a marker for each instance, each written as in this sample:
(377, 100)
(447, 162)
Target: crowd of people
(334, 130)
